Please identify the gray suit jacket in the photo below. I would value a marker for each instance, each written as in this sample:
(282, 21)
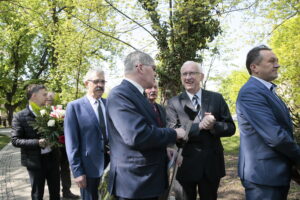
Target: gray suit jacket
(203, 154)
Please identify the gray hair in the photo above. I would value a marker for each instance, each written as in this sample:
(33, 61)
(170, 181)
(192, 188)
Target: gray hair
(135, 58)
(91, 72)
(189, 62)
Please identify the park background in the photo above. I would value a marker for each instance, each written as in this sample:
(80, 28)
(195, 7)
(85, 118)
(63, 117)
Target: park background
(55, 42)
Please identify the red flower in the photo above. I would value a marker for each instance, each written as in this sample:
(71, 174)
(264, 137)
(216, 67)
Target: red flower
(61, 139)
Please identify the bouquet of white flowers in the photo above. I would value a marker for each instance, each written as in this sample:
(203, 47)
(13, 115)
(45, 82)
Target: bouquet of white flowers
(49, 123)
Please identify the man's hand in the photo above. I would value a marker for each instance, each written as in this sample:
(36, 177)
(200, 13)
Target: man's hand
(180, 133)
(207, 122)
(42, 143)
(172, 154)
(81, 181)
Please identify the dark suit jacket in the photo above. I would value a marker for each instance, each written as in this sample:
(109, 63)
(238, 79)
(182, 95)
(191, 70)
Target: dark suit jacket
(203, 154)
(267, 147)
(25, 137)
(138, 147)
(83, 139)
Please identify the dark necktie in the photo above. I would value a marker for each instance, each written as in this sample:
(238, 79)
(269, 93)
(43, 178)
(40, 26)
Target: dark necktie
(103, 131)
(157, 115)
(195, 102)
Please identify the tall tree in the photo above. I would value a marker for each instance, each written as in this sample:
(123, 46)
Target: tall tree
(51, 42)
(189, 27)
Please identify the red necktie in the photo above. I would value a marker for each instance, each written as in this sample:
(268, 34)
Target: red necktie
(157, 115)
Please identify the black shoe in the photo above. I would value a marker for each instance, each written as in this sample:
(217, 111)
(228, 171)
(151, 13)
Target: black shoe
(70, 195)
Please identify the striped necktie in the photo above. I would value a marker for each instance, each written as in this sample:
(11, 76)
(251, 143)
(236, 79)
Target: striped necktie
(196, 103)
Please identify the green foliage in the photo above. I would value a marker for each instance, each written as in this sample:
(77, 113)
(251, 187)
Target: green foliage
(51, 42)
(231, 144)
(4, 140)
(285, 42)
(231, 85)
(189, 28)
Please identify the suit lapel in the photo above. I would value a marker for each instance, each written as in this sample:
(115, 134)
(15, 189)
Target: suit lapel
(204, 103)
(87, 105)
(185, 101)
(279, 103)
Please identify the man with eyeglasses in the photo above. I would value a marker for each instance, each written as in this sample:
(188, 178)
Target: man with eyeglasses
(86, 135)
(138, 167)
(267, 147)
(203, 160)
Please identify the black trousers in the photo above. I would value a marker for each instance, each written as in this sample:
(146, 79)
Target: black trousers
(65, 174)
(207, 189)
(49, 171)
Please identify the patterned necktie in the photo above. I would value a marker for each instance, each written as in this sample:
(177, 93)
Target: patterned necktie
(195, 102)
(157, 115)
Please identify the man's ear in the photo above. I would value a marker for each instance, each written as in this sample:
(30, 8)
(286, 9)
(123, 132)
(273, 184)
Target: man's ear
(139, 68)
(253, 68)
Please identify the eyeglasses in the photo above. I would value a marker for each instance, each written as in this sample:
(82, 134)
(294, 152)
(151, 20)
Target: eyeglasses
(185, 74)
(97, 81)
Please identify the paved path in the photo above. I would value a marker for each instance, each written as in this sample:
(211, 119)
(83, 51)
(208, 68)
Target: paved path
(14, 178)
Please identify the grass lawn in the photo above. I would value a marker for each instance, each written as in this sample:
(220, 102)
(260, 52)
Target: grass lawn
(4, 140)
(231, 144)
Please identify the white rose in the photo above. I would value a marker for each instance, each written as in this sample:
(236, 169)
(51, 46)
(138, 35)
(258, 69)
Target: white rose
(59, 107)
(43, 112)
(51, 123)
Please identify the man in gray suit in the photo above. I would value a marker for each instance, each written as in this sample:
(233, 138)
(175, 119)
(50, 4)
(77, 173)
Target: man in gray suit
(138, 145)
(203, 160)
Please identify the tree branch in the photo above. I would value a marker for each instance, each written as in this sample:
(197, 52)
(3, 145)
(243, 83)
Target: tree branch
(103, 33)
(130, 18)
(278, 25)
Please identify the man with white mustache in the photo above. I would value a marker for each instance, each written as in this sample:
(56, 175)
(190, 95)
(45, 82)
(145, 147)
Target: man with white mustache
(86, 136)
(203, 160)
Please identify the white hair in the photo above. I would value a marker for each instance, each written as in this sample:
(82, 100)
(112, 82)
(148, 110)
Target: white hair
(91, 72)
(189, 62)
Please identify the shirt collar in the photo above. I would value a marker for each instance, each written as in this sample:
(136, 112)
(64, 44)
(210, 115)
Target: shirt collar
(265, 83)
(138, 86)
(30, 108)
(198, 94)
(92, 100)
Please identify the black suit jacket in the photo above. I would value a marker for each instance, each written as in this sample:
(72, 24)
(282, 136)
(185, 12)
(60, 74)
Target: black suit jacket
(25, 137)
(203, 154)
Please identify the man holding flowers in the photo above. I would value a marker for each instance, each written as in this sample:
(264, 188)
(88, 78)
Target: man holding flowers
(36, 154)
(65, 173)
(86, 135)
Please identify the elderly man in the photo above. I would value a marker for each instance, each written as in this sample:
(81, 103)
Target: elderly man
(203, 159)
(138, 143)
(41, 161)
(160, 112)
(86, 135)
(267, 147)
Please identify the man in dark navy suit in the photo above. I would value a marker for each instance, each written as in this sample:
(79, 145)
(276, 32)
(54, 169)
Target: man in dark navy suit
(267, 148)
(138, 143)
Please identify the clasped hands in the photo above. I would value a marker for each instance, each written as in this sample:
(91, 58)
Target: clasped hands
(208, 121)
